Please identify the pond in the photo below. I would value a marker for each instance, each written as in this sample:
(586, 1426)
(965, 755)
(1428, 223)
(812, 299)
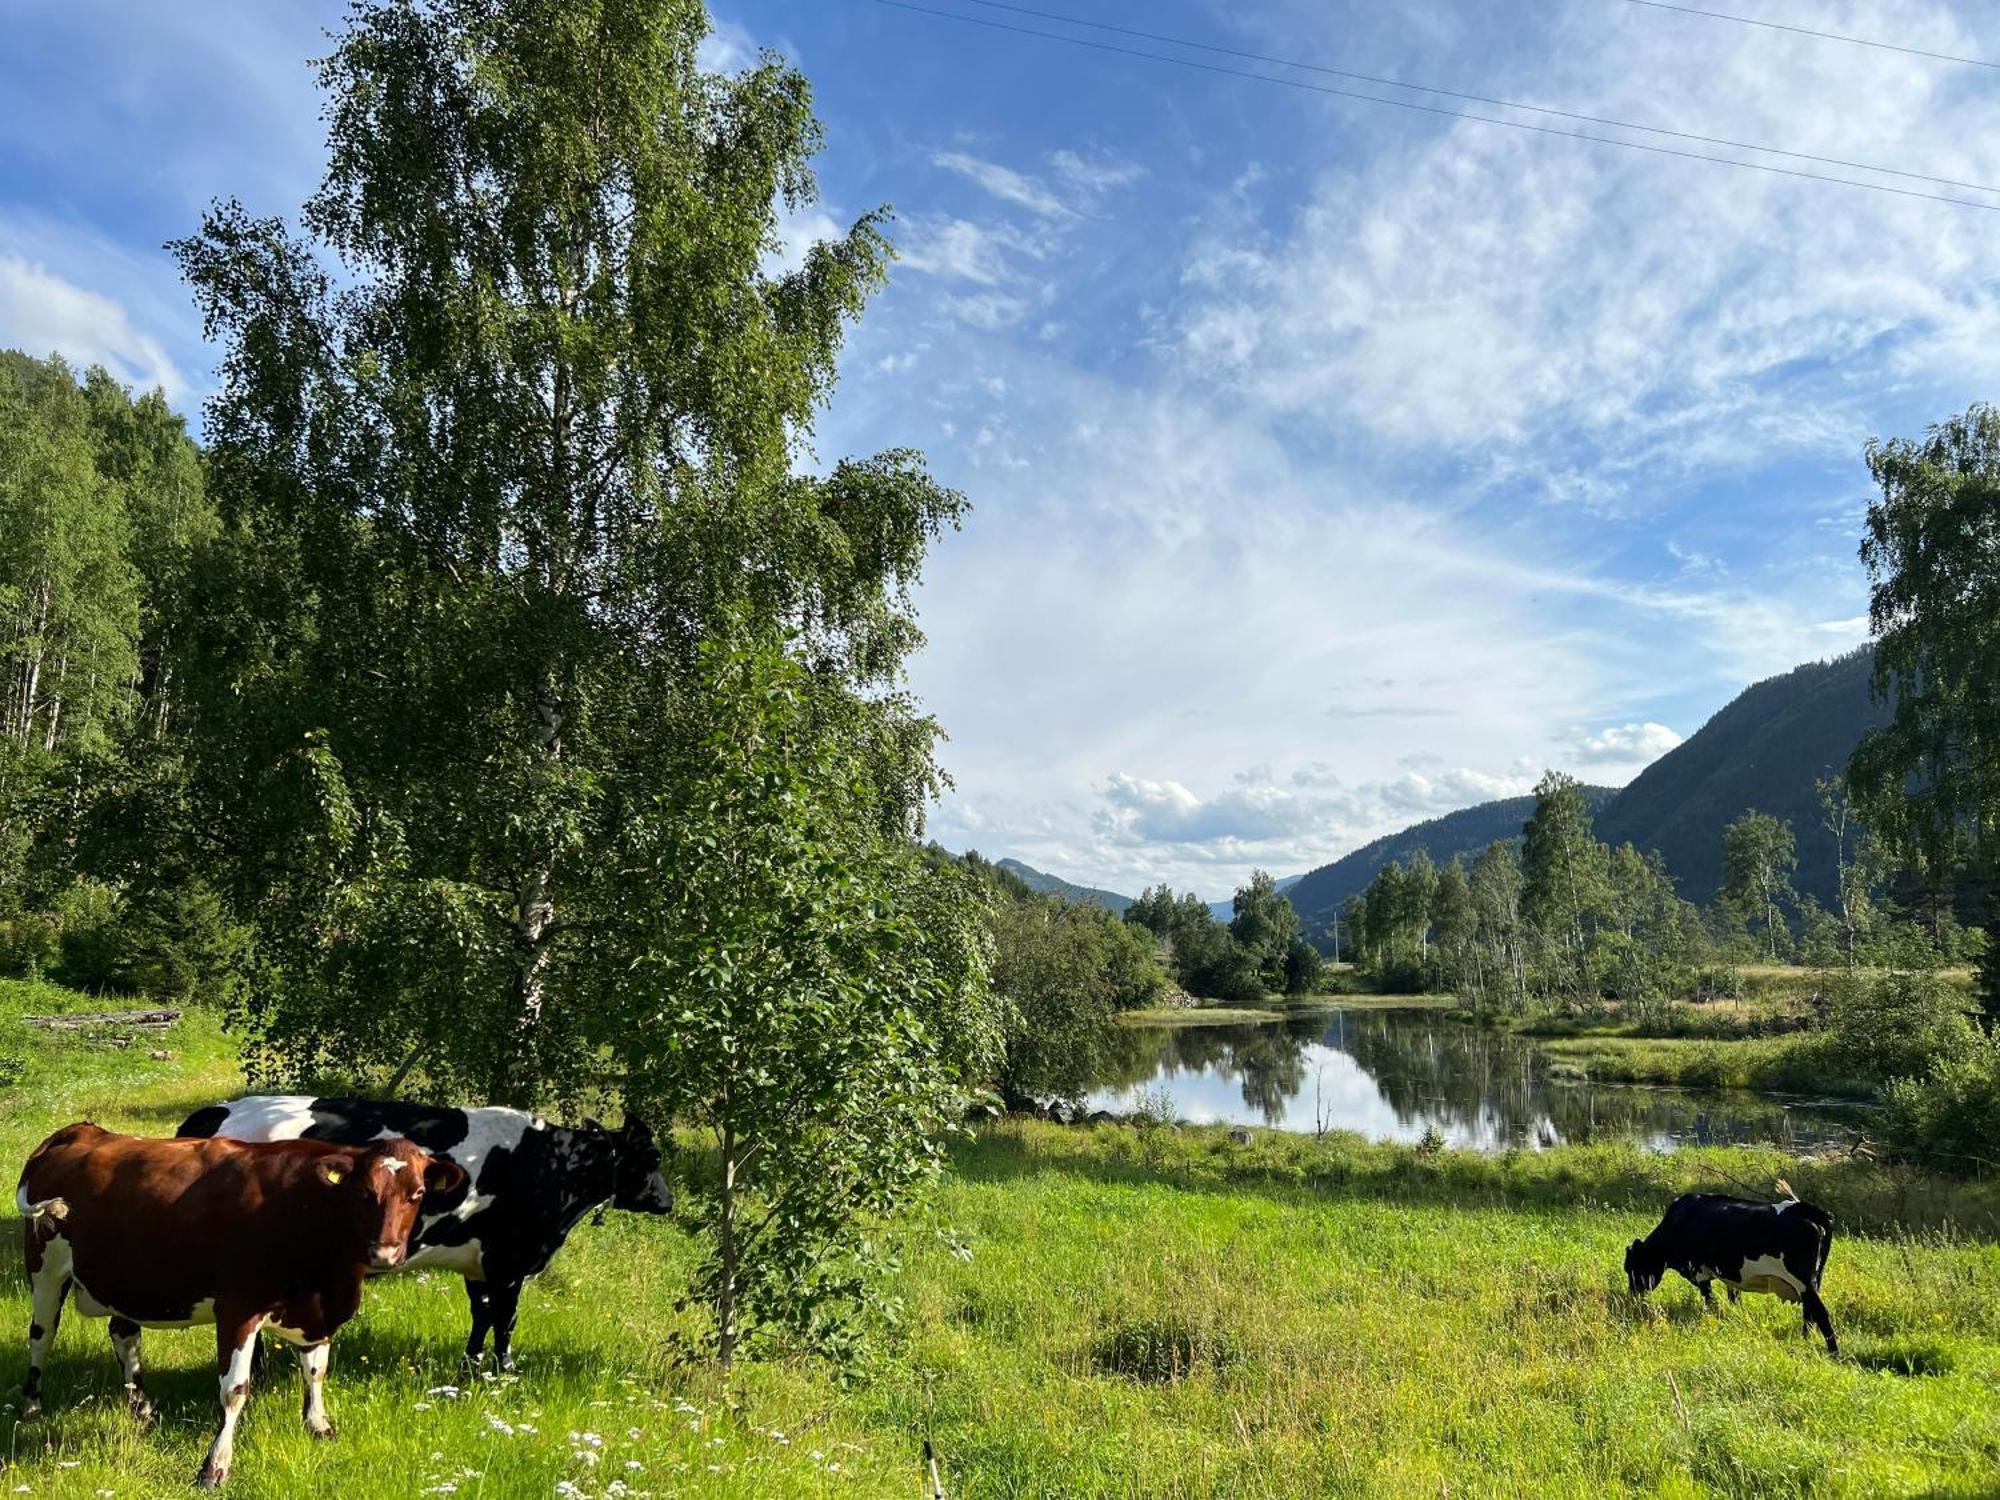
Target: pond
(1392, 1075)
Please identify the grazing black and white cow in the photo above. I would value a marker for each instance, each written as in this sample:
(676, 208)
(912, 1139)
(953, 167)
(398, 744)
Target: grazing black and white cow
(1779, 1248)
(527, 1184)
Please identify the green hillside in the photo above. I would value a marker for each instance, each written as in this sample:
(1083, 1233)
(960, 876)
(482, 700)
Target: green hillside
(1041, 880)
(1320, 893)
(1767, 750)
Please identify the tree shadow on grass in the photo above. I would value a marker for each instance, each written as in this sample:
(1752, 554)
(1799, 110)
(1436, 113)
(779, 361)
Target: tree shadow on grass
(80, 1379)
(378, 1350)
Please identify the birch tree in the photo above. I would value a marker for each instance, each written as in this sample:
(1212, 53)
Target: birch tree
(1929, 781)
(511, 420)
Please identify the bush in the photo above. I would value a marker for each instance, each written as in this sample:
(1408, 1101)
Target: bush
(90, 918)
(1952, 1112)
(181, 948)
(1895, 1025)
(30, 943)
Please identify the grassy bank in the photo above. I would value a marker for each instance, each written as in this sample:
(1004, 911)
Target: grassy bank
(1199, 1015)
(1277, 1008)
(1774, 1064)
(1148, 1314)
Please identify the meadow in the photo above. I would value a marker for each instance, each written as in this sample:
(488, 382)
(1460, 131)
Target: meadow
(1134, 1313)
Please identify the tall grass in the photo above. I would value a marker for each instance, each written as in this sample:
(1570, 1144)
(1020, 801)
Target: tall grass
(1143, 1313)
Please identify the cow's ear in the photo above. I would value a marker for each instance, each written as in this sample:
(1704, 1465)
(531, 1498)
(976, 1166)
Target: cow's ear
(592, 1125)
(443, 1175)
(332, 1170)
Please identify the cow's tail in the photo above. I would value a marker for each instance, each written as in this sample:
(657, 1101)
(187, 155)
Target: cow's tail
(1822, 1223)
(42, 1218)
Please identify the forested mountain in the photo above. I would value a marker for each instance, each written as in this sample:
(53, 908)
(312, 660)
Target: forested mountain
(1041, 880)
(1767, 750)
(1321, 893)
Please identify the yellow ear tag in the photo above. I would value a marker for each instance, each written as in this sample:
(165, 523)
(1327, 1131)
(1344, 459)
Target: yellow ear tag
(334, 1174)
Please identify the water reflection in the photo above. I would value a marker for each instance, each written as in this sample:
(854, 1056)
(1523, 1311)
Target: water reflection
(1392, 1075)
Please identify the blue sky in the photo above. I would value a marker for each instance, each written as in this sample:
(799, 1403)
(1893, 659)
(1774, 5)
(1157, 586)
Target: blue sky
(1332, 465)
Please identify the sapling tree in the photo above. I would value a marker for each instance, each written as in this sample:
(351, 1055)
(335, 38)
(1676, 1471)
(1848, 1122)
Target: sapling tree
(807, 991)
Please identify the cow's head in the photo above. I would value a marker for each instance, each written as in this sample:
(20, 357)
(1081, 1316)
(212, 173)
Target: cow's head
(642, 1188)
(380, 1190)
(1644, 1266)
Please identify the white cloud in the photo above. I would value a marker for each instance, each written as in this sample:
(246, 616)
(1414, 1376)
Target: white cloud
(797, 233)
(1622, 745)
(42, 313)
(728, 47)
(961, 250)
(1094, 175)
(1004, 183)
(1507, 294)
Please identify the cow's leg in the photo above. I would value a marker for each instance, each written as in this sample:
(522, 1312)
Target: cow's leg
(482, 1319)
(49, 1295)
(312, 1368)
(1707, 1293)
(125, 1344)
(49, 1277)
(1734, 1296)
(1816, 1317)
(235, 1339)
(506, 1300)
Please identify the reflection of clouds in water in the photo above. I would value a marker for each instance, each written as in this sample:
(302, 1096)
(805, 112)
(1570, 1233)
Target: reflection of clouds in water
(1394, 1076)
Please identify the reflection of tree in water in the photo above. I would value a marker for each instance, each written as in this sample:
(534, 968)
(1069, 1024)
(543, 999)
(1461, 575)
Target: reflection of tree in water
(1131, 1055)
(1267, 1059)
(1488, 1087)
(1472, 1085)
(1466, 1082)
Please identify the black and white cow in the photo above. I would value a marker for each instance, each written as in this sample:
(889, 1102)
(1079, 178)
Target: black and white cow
(527, 1184)
(1779, 1248)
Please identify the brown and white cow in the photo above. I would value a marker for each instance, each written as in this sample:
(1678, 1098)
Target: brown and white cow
(167, 1234)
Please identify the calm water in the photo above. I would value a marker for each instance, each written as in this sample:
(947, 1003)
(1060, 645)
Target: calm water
(1391, 1075)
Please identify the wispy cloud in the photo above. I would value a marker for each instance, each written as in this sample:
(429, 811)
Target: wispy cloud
(1609, 317)
(1004, 183)
(43, 313)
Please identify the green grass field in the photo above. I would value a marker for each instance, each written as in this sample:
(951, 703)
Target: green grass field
(1143, 1313)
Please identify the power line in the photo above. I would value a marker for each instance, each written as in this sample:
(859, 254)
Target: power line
(1421, 88)
(1432, 109)
(1825, 36)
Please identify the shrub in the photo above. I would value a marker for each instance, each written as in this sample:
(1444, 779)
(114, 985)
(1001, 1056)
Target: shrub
(30, 943)
(1894, 1025)
(1951, 1112)
(89, 917)
(180, 946)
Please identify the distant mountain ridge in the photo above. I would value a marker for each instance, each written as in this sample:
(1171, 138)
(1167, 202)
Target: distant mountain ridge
(1041, 880)
(1225, 910)
(1320, 894)
(1767, 750)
